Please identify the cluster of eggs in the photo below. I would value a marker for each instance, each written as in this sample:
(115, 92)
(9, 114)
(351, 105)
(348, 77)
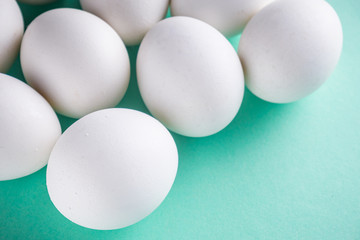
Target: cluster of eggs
(114, 166)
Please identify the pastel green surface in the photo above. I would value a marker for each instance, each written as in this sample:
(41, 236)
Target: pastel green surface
(278, 172)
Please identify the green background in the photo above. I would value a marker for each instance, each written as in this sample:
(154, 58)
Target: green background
(276, 172)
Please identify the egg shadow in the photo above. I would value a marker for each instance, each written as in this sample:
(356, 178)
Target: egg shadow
(26, 212)
(242, 135)
(255, 116)
(20, 205)
(132, 98)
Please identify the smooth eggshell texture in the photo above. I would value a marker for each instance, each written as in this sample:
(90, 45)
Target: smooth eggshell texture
(131, 19)
(76, 60)
(37, 2)
(29, 129)
(11, 33)
(189, 76)
(228, 16)
(111, 168)
(290, 48)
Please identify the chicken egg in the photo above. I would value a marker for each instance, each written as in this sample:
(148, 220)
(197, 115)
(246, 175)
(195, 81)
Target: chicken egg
(190, 76)
(111, 168)
(11, 33)
(130, 18)
(76, 61)
(29, 129)
(228, 16)
(290, 48)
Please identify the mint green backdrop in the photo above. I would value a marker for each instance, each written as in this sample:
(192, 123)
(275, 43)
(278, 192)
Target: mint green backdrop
(278, 172)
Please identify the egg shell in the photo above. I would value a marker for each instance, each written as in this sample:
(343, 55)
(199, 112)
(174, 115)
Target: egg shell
(111, 168)
(76, 61)
(11, 33)
(189, 76)
(228, 16)
(130, 18)
(37, 2)
(29, 129)
(290, 48)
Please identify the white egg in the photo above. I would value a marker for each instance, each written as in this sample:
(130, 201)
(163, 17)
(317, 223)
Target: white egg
(11, 33)
(189, 76)
(290, 48)
(111, 169)
(37, 2)
(29, 129)
(76, 61)
(228, 16)
(130, 18)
